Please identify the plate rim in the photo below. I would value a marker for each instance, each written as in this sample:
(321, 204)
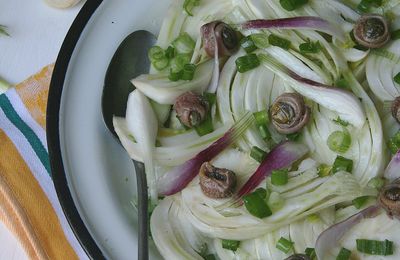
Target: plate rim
(53, 130)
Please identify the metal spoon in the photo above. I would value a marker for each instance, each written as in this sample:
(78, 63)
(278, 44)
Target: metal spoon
(129, 61)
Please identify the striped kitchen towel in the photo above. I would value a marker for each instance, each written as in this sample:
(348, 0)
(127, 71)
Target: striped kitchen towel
(28, 202)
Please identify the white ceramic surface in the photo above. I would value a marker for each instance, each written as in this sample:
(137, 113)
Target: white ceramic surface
(99, 172)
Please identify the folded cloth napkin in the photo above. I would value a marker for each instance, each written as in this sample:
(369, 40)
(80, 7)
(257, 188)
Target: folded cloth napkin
(28, 202)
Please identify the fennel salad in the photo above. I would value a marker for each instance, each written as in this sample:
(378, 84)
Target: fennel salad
(269, 129)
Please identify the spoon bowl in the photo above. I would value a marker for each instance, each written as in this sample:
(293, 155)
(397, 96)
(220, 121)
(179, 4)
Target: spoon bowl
(129, 61)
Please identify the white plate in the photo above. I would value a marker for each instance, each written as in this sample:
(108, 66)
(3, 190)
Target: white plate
(94, 176)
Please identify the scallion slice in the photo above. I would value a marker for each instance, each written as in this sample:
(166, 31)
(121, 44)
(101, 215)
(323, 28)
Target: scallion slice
(311, 253)
(262, 117)
(247, 62)
(175, 76)
(396, 35)
(156, 53)
(279, 177)
(188, 6)
(284, 245)
(341, 122)
(179, 62)
(310, 47)
(247, 44)
(161, 64)
(188, 71)
(207, 126)
(342, 164)
(170, 52)
(260, 40)
(376, 182)
(344, 254)
(264, 132)
(394, 143)
(342, 83)
(257, 154)
(184, 43)
(360, 202)
(291, 5)
(375, 247)
(365, 5)
(324, 170)
(256, 205)
(230, 244)
(275, 40)
(339, 141)
(397, 78)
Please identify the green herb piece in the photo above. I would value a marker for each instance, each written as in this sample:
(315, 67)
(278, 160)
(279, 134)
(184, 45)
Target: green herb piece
(3, 30)
(365, 5)
(342, 164)
(341, 122)
(275, 40)
(257, 154)
(188, 6)
(264, 132)
(397, 78)
(310, 47)
(294, 137)
(247, 62)
(284, 245)
(395, 35)
(376, 182)
(188, 71)
(260, 40)
(256, 205)
(248, 45)
(170, 52)
(375, 247)
(339, 141)
(279, 177)
(360, 201)
(230, 244)
(184, 44)
(311, 253)
(207, 126)
(344, 254)
(324, 170)
(291, 5)
(394, 143)
(179, 62)
(262, 117)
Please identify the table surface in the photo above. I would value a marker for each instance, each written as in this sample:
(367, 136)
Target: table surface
(37, 32)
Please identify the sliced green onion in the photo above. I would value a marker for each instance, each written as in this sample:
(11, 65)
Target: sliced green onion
(396, 35)
(341, 122)
(310, 252)
(310, 47)
(206, 126)
(397, 78)
(264, 132)
(376, 182)
(170, 52)
(342, 164)
(188, 6)
(262, 117)
(284, 245)
(291, 5)
(161, 64)
(179, 62)
(256, 205)
(394, 143)
(247, 62)
(188, 71)
(156, 53)
(275, 40)
(324, 170)
(184, 44)
(275, 201)
(360, 201)
(248, 44)
(342, 83)
(3, 30)
(175, 76)
(365, 5)
(230, 244)
(279, 177)
(260, 40)
(375, 247)
(257, 154)
(344, 254)
(339, 141)
(294, 137)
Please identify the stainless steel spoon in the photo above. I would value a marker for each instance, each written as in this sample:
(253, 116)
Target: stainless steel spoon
(129, 61)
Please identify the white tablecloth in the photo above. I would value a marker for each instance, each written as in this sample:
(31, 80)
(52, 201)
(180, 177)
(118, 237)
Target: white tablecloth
(37, 32)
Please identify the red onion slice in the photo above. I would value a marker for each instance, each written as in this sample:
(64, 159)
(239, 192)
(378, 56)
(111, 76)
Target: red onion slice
(330, 237)
(301, 22)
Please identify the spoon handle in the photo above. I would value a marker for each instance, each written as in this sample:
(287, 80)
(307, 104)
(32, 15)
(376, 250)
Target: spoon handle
(143, 233)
